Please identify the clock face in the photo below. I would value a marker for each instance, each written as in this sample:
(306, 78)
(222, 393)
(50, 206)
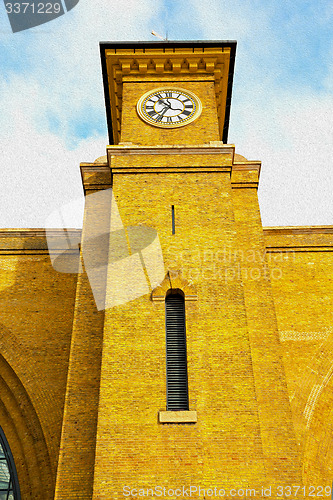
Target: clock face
(169, 107)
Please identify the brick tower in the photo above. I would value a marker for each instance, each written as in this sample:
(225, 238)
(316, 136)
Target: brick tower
(175, 372)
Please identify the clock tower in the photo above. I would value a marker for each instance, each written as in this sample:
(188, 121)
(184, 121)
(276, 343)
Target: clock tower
(169, 107)
(176, 382)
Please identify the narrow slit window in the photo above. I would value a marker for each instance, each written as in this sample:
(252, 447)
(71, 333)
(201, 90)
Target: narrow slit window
(173, 219)
(176, 358)
(9, 487)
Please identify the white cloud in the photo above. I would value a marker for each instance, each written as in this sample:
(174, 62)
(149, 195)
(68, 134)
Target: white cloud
(60, 80)
(298, 177)
(287, 127)
(38, 171)
(291, 135)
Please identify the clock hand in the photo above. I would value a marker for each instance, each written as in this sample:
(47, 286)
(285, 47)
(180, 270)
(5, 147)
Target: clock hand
(160, 101)
(164, 110)
(160, 115)
(173, 109)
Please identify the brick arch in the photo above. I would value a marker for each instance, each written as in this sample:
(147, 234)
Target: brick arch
(23, 431)
(318, 445)
(312, 408)
(174, 283)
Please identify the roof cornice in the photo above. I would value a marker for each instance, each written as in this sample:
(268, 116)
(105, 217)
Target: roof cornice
(165, 60)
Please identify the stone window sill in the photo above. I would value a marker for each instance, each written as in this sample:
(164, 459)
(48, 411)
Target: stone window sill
(177, 417)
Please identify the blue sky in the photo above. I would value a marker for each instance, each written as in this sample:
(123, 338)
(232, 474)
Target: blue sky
(52, 105)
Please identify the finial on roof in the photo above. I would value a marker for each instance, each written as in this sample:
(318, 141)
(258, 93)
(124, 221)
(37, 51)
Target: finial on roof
(159, 36)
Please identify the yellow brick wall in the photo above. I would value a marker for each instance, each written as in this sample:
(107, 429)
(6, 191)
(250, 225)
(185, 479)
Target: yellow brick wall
(301, 263)
(133, 449)
(271, 389)
(81, 388)
(200, 131)
(36, 305)
(78, 440)
(242, 436)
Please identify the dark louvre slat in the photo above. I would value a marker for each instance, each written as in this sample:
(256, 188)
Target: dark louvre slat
(177, 389)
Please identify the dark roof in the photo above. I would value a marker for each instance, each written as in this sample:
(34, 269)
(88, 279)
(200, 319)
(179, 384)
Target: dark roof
(167, 44)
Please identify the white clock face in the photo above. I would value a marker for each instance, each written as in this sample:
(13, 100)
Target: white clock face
(169, 107)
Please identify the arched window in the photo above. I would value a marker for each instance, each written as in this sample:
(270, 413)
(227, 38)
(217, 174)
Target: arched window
(176, 359)
(9, 487)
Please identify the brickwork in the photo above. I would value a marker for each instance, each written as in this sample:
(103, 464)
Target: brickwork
(132, 447)
(244, 434)
(200, 131)
(78, 440)
(238, 440)
(36, 323)
(301, 264)
(277, 432)
(83, 375)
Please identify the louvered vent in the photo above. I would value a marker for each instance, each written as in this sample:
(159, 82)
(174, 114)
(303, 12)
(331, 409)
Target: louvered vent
(177, 390)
